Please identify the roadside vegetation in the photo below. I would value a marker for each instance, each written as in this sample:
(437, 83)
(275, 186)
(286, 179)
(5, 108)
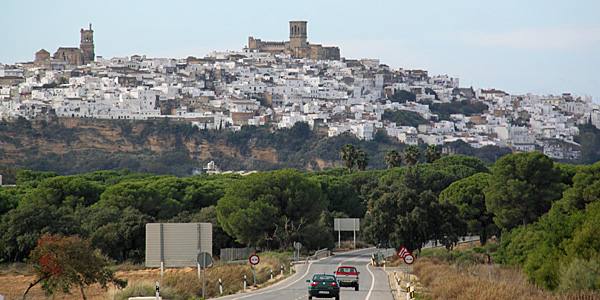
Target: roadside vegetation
(184, 283)
(544, 214)
(466, 274)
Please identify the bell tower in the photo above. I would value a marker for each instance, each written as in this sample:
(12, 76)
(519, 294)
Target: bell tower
(298, 34)
(87, 45)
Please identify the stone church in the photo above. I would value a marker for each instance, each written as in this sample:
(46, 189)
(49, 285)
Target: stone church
(71, 55)
(297, 46)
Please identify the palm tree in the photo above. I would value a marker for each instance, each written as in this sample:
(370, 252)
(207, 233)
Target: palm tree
(362, 160)
(349, 154)
(432, 154)
(393, 158)
(411, 155)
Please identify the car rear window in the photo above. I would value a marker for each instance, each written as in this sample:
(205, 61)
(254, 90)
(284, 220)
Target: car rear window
(347, 270)
(323, 278)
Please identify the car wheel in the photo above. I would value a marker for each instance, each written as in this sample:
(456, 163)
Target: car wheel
(356, 287)
(337, 297)
(309, 297)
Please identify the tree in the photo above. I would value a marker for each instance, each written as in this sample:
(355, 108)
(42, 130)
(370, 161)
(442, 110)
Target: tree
(21, 228)
(119, 233)
(412, 155)
(63, 262)
(270, 208)
(522, 188)
(586, 187)
(403, 96)
(393, 159)
(341, 195)
(68, 190)
(468, 195)
(349, 154)
(432, 154)
(9, 175)
(404, 218)
(141, 196)
(362, 160)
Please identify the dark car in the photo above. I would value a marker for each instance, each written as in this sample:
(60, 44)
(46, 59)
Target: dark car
(324, 286)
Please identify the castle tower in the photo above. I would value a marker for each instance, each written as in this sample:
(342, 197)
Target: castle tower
(298, 34)
(87, 45)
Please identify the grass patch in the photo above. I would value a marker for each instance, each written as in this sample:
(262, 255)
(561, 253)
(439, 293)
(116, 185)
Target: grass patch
(276, 254)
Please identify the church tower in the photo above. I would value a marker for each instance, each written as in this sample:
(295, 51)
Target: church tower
(87, 45)
(298, 34)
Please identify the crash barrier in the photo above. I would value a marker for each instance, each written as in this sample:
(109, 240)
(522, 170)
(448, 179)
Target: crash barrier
(321, 253)
(235, 253)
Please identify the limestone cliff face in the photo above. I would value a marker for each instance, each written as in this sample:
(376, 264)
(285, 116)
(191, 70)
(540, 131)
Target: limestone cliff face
(17, 144)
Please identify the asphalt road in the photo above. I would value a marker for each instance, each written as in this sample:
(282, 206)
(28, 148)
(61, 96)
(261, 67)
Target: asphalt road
(374, 283)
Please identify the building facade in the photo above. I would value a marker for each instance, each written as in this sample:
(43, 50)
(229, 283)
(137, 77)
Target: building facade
(298, 45)
(71, 55)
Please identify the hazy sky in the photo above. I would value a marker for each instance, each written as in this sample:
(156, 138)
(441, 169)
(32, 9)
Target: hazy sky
(520, 46)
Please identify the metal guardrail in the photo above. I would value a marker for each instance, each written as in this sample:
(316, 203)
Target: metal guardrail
(321, 253)
(236, 253)
(318, 254)
(231, 262)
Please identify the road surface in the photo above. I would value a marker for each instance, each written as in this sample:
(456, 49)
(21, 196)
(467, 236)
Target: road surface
(374, 283)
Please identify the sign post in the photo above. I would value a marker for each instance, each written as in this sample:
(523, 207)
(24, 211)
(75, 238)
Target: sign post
(408, 259)
(346, 224)
(204, 260)
(157, 291)
(254, 260)
(297, 246)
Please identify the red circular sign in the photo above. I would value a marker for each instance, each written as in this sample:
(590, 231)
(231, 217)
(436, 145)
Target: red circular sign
(254, 259)
(409, 259)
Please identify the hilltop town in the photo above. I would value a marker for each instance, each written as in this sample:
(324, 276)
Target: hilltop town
(282, 83)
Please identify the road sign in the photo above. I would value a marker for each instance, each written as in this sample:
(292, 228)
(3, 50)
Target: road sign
(204, 259)
(297, 245)
(254, 259)
(406, 256)
(403, 251)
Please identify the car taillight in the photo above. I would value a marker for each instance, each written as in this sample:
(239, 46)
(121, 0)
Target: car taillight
(314, 283)
(334, 284)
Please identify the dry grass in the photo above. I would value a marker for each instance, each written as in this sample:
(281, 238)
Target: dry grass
(176, 284)
(446, 281)
(184, 283)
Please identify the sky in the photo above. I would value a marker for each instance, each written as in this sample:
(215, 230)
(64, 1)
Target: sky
(519, 46)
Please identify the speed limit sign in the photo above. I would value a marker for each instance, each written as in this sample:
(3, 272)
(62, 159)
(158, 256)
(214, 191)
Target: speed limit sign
(254, 259)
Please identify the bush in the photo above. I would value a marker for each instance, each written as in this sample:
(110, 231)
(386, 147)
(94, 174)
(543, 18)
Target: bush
(580, 275)
(465, 258)
(144, 288)
(479, 249)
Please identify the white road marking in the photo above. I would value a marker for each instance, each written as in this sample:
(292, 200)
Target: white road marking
(372, 282)
(283, 287)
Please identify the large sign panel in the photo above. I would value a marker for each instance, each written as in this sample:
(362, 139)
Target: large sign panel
(346, 224)
(177, 244)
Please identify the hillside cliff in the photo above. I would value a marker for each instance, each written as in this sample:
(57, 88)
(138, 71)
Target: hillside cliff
(73, 143)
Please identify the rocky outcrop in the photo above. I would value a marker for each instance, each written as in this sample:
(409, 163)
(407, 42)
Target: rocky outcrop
(67, 134)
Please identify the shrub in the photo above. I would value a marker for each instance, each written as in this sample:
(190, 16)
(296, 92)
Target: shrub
(144, 288)
(479, 249)
(580, 275)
